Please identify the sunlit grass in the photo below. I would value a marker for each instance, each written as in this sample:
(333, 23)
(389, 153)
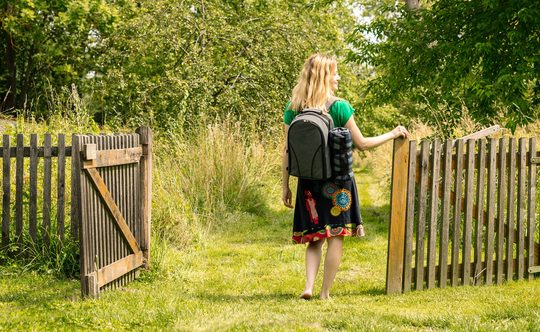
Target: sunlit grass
(246, 275)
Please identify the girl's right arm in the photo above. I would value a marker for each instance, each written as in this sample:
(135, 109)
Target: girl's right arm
(286, 195)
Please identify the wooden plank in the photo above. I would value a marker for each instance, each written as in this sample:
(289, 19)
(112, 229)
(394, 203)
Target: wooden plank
(521, 198)
(490, 218)
(119, 268)
(534, 269)
(480, 185)
(19, 190)
(138, 223)
(101, 221)
(511, 207)
(467, 228)
(445, 214)
(88, 210)
(40, 151)
(113, 208)
(91, 284)
(396, 232)
(432, 228)
(126, 142)
(409, 220)
(111, 174)
(75, 190)
(531, 204)
(61, 187)
(47, 173)
(501, 199)
(482, 133)
(114, 157)
(457, 213)
(6, 194)
(145, 191)
(422, 211)
(32, 204)
(77, 213)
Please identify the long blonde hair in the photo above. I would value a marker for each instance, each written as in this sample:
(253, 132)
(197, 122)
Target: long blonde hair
(314, 85)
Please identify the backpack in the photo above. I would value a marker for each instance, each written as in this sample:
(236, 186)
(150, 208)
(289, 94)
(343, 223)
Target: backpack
(307, 144)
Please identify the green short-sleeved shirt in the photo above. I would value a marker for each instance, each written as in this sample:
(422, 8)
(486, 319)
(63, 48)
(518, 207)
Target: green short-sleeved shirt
(341, 111)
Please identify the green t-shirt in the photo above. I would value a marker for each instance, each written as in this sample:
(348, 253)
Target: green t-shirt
(340, 112)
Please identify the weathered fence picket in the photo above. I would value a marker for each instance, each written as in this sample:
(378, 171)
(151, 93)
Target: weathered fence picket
(476, 200)
(20, 152)
(109, 204)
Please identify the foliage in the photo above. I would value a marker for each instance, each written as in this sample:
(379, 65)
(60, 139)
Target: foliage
(51, 43)
(435, 62)
(177, 64)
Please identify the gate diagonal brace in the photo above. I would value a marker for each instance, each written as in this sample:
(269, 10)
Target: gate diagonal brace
(113, 209)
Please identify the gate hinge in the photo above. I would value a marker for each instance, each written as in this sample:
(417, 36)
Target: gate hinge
(534, 269)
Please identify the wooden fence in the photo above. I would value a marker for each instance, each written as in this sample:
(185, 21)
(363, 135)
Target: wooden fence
(109, 186)
(462, 212)
(26, 222)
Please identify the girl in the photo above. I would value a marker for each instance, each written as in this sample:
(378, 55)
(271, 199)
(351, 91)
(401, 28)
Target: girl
(325, 210)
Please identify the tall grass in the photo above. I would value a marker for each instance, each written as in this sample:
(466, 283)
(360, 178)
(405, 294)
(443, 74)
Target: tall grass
(202, 180)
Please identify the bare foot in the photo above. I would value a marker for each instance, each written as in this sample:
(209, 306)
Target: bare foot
(325, 297)
(306, 295)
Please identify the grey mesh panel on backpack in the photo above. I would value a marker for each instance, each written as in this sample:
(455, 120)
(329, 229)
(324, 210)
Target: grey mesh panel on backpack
(307, 140)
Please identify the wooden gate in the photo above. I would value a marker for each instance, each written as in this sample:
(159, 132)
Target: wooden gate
(462, 213)
(114, 207)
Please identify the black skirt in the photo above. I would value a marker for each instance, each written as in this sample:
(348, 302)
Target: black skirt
(326, 208)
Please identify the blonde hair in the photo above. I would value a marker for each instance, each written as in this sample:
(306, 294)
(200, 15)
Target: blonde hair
(314, 85)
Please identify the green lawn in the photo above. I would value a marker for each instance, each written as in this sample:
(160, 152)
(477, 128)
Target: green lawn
(247, 276)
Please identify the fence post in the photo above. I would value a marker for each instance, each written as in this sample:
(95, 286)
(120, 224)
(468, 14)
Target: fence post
(145, 134)
(75, 187)
(398, 207)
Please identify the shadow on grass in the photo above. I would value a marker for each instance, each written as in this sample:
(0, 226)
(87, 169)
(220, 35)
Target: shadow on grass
(28, 289)
(226, 298)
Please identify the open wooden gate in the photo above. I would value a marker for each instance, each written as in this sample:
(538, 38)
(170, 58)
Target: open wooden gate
(113, 207)
(463, 212)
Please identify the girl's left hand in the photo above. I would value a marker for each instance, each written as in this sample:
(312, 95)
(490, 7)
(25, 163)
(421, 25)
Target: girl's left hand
(400, 131)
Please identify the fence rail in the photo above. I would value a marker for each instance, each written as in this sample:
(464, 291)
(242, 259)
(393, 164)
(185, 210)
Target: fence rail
(462, 212)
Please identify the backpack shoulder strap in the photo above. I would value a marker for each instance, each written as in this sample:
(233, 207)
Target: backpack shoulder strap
(331, 102)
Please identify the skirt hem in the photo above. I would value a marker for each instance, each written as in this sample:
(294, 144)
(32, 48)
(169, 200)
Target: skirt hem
(328, 232)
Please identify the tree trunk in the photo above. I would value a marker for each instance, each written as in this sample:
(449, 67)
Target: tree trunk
(413, 4)
(8, 101)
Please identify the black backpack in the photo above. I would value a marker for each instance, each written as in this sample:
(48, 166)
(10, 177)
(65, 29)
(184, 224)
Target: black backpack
(307, 144)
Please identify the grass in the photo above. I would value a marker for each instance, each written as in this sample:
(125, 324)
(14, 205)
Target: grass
(245, 275)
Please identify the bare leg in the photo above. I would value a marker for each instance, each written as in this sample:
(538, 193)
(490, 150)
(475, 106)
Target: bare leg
(313, 260)
(331, 264)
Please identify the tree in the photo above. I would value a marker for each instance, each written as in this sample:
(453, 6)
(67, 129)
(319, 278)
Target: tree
(478, 56)
(174, 64)
(47, 45)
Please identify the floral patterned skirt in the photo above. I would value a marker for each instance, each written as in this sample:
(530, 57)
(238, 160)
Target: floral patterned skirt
(326, 208)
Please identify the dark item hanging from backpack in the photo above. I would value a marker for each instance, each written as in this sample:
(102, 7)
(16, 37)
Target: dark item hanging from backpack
(307, 143)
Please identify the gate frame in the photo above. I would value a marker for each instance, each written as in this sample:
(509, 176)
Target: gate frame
(86, 158)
